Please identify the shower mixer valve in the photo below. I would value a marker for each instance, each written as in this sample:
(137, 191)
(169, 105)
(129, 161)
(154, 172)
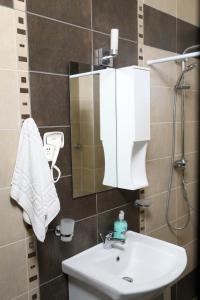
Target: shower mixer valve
(181, 163)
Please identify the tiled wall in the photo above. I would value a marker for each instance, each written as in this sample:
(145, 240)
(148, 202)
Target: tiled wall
(18, 261)
(70, 31)
(170, 27)
(59, 33)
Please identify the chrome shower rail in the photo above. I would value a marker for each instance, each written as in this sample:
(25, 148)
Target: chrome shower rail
(173, 58)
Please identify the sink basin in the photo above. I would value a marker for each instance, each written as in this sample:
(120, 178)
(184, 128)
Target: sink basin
(139, 268)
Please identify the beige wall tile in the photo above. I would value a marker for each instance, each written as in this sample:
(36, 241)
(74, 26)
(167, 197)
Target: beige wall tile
(189, 11)
(161, 75)
(13, 275)
(188, 234)
(158, 176)
(22, 297)
(8, 150)
(11, 221)
(165, 234)
(9, 104)
(191, 172)
(155, 214)
(8, 50)
(192, 77)
(160, 142)
(182, 207)
(161, 104)
(178, 139)
(192, 106)
(18, 4)
(166, 6)
(191, 137)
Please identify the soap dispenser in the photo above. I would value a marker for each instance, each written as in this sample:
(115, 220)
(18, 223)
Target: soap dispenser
(120, 226)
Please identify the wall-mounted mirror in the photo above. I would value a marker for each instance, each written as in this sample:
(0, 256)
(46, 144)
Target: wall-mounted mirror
(110, 127)
(87, 87)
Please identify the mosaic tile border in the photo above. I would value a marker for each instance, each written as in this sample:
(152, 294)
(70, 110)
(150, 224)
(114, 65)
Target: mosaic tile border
(140, 16)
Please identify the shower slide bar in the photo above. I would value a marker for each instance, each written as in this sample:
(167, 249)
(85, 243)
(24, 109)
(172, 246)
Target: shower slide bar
(173, 58)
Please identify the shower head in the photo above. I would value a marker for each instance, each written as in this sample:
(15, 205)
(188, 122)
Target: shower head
(187, 69)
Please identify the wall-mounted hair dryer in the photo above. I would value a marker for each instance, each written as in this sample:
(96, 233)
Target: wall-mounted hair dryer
(53, 141)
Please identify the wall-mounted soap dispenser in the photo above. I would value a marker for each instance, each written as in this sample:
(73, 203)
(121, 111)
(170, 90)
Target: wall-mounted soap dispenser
(133, 126)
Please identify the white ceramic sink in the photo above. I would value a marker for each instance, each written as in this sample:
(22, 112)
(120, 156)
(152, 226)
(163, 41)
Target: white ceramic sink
(152, 264)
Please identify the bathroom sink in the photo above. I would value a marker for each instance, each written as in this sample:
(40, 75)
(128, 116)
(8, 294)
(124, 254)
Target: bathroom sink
(142, 266)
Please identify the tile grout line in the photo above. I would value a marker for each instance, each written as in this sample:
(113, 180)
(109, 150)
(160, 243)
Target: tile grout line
(51, 280)
(117, 207)
(19, 296)
(77, 26)
(49, 73)
(167, 157)
(13, 243)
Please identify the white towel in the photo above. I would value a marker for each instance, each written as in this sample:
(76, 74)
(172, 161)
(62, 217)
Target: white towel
(32, 185)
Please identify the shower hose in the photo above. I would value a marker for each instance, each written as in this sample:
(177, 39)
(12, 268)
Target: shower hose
(183, 183)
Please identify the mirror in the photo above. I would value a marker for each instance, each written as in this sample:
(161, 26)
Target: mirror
(92, 92)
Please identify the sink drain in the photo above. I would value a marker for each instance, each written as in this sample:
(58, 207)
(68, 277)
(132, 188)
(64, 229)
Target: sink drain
(129, 279)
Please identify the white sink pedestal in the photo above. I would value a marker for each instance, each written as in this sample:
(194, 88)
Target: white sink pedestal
(81, 291)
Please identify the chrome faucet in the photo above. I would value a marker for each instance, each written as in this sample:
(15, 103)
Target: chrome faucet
(109, 241)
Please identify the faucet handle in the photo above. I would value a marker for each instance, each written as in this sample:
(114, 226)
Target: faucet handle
(105, 237)
(109, 235)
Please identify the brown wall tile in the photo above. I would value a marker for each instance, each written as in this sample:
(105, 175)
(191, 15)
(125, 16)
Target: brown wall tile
(187, 35)
(75, 12)
(53, 250)
(52, 45)
(8, 3)
(154, 23)
(127, 50)
(121, 14)
(79, 208)
(49, 99)
(55, 290)
(115, 197)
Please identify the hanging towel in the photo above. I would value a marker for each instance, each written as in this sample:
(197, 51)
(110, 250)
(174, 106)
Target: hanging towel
(32, 184)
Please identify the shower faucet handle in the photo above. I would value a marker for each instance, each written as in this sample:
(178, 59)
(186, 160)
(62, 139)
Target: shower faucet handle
(180, 163)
